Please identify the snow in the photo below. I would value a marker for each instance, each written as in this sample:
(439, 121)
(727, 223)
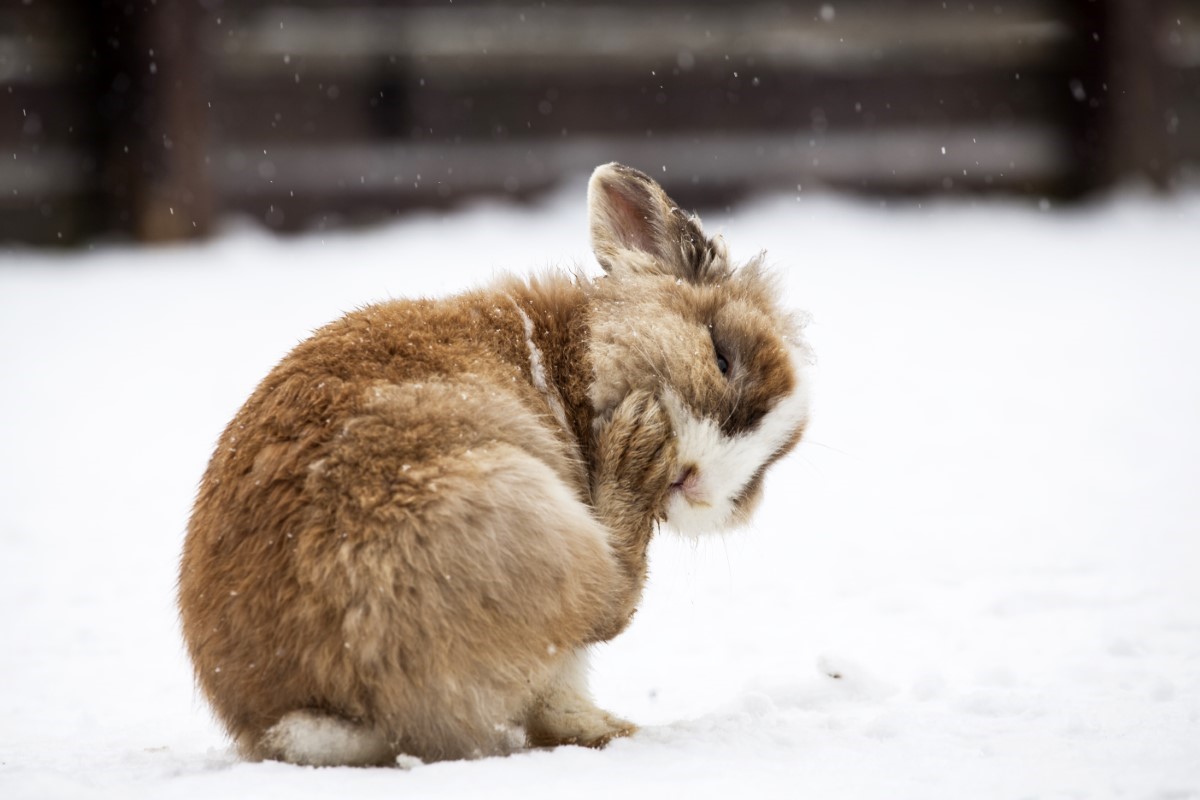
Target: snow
(976, 578)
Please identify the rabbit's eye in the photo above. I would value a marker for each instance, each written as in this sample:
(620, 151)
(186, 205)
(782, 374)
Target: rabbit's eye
(722, 362)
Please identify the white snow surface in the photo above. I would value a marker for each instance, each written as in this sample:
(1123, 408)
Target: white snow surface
(979, 577)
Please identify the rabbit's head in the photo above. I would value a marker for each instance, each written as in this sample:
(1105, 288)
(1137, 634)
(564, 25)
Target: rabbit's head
(674, 317)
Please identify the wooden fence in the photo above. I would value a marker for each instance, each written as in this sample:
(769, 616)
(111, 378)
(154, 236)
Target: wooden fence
(153, 118)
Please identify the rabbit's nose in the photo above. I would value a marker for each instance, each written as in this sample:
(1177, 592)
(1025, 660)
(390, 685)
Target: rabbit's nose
(688, 484)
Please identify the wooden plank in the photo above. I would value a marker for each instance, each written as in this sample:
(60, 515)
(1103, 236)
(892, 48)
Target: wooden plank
(562, 39)
(1178, 35)
(277, 185)
(49, 114)
(39, 42)
(393, 103)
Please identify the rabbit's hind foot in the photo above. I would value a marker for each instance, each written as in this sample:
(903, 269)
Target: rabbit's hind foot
(316, 739)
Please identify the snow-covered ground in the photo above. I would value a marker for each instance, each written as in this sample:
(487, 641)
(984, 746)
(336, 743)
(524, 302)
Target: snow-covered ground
(992, 532)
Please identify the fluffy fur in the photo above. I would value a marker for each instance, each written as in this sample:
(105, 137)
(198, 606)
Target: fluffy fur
(416, 524)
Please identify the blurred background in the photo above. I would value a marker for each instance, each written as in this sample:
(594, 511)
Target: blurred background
(154, 119)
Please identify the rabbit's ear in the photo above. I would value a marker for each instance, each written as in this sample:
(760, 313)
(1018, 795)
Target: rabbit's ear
(632, 217)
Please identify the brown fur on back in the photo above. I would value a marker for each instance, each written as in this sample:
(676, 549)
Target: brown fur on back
(281, 549)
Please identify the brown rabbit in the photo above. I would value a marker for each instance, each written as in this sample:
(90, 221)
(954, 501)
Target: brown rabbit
(412, 530)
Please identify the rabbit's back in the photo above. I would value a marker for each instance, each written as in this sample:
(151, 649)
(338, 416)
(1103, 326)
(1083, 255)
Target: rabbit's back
(396, 500)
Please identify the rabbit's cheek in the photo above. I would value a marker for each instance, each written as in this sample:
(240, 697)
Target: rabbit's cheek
(720, 474)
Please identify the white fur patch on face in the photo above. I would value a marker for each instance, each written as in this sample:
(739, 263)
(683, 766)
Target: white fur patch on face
(723, 466)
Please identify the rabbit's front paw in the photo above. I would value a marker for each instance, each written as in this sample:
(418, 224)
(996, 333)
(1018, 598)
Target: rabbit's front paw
(636, 457)
(587, 727)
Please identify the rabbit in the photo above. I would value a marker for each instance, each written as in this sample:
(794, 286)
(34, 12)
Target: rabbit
(410, 534)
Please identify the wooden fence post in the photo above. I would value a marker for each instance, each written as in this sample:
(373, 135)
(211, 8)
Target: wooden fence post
(1136, 76)
(153, 83)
